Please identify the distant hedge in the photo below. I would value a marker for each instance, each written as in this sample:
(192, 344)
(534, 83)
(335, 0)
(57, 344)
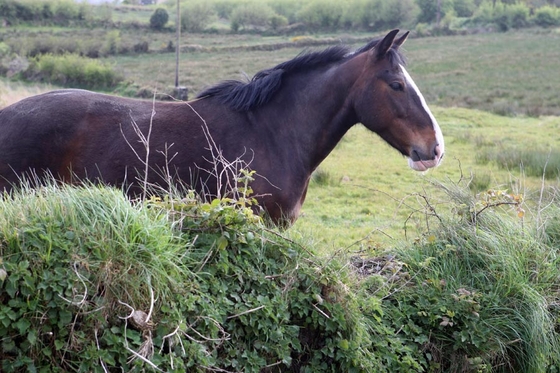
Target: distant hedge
(52, 12)
(72, 70)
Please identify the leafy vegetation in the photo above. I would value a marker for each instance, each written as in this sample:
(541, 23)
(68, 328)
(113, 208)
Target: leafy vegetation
(447, 16)
(483, 285)
(159, 19)
(91, 282)
(72, 70)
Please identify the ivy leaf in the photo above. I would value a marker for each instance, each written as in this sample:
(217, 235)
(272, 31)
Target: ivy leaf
(22, 325)
(32, 337)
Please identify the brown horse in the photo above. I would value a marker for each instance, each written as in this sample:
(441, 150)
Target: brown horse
(282, 124)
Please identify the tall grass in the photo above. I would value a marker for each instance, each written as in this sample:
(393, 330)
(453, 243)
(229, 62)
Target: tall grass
(534, 161)
(485, 287)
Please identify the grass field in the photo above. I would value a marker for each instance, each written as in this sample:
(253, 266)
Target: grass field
(506, 73)
(373, 197)
(365, 191)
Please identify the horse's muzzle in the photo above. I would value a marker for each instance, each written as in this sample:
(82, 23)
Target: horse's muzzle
(421, 162)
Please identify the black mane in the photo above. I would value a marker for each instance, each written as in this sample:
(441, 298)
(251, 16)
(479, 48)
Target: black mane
(244, 96)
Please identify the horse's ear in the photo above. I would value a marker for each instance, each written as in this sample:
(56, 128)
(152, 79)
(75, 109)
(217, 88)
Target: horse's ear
(384, 45)
(400, 41)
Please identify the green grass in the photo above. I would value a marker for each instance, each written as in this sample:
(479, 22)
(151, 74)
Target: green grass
(483, 286)
(378, 193)
(506, 73)
(374, 193)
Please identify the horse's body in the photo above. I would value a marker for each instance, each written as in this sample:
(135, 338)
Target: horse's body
(282, 124)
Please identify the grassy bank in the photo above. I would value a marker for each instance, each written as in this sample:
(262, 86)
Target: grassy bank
(91, 282)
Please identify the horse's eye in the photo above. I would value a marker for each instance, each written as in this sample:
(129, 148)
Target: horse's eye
(397, 86)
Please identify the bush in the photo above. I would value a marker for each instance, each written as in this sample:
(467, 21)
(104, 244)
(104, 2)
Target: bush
(429, 9)
(505, 16)
(251, 15)
(197, 15)
(89, 280)
(478, 295)
(159, 19)
(277, 21)
(518, 15)
(72, 70)
(547, 16)
(380, 15)
(66, 11)
(322, 14)
(286, 8)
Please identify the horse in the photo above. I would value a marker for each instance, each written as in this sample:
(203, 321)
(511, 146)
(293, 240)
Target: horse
(281, 125)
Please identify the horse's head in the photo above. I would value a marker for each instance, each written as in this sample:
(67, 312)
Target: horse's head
(388, 102)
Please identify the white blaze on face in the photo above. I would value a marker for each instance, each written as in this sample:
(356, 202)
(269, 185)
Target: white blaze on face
(440, 150)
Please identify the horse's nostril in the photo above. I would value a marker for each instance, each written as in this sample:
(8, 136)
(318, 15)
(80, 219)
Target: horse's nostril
(437, 151)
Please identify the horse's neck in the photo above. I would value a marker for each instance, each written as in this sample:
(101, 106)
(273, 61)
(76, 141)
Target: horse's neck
(318, 113)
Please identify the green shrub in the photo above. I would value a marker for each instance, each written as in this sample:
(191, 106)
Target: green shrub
(504, 15)
(464, 8)
(251, 15)
(159, 19)
(112, 44)
(322, 14)
(547, 16)
(66, 11)
(72, 70)
(286, 8)
(224, 8)
(518, 15)
(197, 15)
(89, 280)
(277, 21)
(380, 15)
(429, 9)
(477, 299)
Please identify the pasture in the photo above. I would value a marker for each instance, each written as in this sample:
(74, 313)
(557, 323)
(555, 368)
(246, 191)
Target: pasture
(484, 91)
(364, 191)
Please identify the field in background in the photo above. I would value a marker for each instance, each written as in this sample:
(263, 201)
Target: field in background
(365, 191)
(506, 73)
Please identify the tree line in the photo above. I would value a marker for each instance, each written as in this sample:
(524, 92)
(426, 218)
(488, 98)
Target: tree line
(298, 16)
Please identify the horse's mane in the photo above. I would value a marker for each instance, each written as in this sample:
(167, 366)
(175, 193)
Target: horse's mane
(244, 96)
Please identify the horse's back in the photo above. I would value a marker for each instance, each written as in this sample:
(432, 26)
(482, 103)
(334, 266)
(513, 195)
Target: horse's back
(37, 134)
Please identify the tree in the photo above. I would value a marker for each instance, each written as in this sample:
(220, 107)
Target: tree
(159, 18)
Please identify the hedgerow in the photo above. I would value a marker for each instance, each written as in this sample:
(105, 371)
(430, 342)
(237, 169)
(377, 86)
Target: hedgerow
(91, 282)
(72, 70)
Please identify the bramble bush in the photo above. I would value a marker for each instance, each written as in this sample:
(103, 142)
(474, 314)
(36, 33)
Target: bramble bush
(91, 282)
